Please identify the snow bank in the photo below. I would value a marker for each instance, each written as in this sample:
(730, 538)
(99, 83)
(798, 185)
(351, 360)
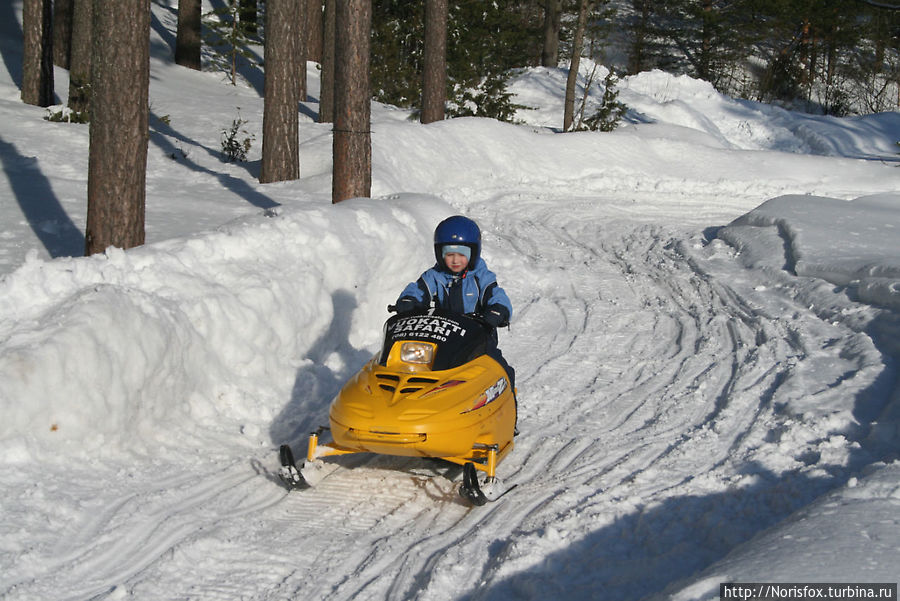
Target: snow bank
(162, 343)
(849, 243)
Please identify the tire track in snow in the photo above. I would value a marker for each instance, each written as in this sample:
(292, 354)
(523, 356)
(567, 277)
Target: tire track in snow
(669, 380)
(661, 327)
(645, 382)
(143, 525)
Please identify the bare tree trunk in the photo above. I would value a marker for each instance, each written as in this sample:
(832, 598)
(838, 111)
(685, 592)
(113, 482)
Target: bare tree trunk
(552, 25)
(577, 47)
(704, 61)
(62, 32)
(352, 176)
(302, 42)
(188, 42)
(314, 25)
(326, 93)
(37, 60)
(281, 146)
(640, 32)
(434, 84)
(117, 164)
(80, 69)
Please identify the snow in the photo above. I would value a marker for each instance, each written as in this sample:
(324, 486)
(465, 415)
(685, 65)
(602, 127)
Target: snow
(705, 335)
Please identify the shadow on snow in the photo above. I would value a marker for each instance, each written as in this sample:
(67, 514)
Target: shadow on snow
(42, 209)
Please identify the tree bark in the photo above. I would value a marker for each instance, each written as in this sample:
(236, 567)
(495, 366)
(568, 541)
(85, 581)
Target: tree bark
(314, 25)
(640, 32)
(577, 47)
(62, 32)
(37, 56)
(188, 37)
(117, 163)
(301, 15)
(552, 25)
(352, 146)
(434, 84)
(80, 69)
(326, 92)
(281, 146)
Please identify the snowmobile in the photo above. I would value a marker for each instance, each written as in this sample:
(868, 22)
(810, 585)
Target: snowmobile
(432, 391)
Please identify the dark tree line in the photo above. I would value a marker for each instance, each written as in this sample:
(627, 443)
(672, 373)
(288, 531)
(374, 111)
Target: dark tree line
(824, 55)
(829, 55)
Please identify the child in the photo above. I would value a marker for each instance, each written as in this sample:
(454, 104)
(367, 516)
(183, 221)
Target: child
(460, 281)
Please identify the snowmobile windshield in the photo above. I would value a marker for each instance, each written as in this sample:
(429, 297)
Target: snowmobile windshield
(459, 338)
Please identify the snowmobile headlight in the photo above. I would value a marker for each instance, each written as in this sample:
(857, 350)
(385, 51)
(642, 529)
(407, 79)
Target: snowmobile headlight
(417, 352)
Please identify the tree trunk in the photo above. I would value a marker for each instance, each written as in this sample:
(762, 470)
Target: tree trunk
(577, 47)
(352, 176)
(314, 25)
(188, 37)
(37, 59)
(704, 61)
(640, 33)
(302, 42)
(62, 32)
(80, 69)
(552, 24)
(281, 146)
(326, 92)
(434, 83)
(117, 163)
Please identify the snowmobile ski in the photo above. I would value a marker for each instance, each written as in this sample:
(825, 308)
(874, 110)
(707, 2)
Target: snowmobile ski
(289, 473)
(479, 495)
(470, 489)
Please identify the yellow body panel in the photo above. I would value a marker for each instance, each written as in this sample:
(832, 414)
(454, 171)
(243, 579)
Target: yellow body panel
(403, 409)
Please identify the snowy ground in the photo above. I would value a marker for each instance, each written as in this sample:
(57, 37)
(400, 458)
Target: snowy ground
(705, 332)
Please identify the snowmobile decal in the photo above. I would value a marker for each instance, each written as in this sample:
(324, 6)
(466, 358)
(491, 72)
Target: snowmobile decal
(489, 396)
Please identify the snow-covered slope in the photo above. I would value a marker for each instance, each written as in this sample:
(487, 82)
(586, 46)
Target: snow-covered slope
(704, 333)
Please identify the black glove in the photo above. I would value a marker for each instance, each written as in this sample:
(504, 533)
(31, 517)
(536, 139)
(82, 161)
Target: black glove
(496, 316)
(408, 305)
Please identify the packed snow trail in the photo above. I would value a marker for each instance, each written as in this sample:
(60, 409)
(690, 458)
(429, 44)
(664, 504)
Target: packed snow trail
(644, 424)
(657, 394)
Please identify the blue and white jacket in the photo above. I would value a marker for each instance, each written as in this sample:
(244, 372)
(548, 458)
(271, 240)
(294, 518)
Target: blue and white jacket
(473, 291)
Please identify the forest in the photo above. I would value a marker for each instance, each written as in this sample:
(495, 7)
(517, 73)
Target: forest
(444, 58)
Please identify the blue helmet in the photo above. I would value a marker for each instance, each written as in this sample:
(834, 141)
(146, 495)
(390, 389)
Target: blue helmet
(457, 230)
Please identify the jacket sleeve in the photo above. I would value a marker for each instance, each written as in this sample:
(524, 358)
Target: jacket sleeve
(493, 295)
(417, 291)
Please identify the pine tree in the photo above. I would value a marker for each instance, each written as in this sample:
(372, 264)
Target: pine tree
(552, 26)
(584, 8)
(229, 36)
(326, 93)
(281, 148)
(117, 162)
(188, 37)
(434, 94)
(62, 32)
(485, 40)
(37, 61)
(352, 151)
(80, 64)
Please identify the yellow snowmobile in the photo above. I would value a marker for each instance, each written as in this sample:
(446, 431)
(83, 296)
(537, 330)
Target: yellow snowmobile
(432, 391)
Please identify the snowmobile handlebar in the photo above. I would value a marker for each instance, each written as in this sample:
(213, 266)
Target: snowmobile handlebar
(473, 316)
